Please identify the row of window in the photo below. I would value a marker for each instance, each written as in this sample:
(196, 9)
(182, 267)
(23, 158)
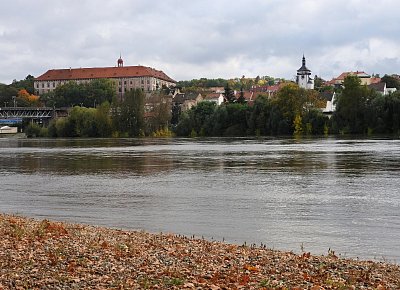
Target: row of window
(53, 84)
(130, 89)
(141, 81)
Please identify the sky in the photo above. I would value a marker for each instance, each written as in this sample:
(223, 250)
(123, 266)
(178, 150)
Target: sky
(201, 38)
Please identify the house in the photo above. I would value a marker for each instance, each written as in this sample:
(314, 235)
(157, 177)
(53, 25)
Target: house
(330, 98)
(126, 78)
(365, 78)
(153, 100)
(217, 98)
(270, 91)
(381, 88)
(185, 101)
(8, 130)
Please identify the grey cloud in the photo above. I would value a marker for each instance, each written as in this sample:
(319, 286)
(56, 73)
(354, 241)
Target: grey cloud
(227, 37)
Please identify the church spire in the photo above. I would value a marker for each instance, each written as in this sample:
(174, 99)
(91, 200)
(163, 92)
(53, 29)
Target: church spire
(303, 78)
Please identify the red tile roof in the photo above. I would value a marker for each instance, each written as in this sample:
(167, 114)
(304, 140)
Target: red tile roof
(102, 73)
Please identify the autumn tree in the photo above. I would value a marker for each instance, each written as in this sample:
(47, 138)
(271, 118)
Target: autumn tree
(26, 98)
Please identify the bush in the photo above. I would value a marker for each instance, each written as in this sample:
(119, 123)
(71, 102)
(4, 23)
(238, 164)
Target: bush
(33, 130)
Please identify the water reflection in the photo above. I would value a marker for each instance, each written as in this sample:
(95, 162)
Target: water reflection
(322, 193)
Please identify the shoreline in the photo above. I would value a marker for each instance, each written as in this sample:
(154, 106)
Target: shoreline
(42, 254)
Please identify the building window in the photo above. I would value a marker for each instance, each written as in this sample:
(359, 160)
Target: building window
(142, 82)
(131, 82)
(54, 84)
(124, 82)
(42, 85)
(48, 85)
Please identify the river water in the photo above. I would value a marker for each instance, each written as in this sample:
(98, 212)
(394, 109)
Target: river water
(290, 194)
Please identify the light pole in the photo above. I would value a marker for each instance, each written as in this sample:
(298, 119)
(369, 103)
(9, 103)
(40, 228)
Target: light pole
(14, 99)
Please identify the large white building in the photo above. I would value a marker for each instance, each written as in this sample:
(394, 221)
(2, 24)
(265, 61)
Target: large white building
(126, 78)
(303, 78)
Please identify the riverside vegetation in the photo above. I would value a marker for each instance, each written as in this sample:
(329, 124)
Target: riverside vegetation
(52, 255)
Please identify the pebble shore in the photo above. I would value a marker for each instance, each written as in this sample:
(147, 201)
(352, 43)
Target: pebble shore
(42, 254)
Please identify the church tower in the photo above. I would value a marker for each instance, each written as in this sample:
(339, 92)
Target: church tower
(303, 78)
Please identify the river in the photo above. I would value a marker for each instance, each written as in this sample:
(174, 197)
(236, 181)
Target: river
(289, 194)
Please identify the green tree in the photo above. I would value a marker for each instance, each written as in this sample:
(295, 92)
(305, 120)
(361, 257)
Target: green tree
(290, 100)
(159, 112)
(391, 82)
(315, 122)
(198, 119)
(99, 91)
(229, 96)
(241, 98)
(103, 120)
(259, 121)
(350, 115)
(89, 94)
(128, 115)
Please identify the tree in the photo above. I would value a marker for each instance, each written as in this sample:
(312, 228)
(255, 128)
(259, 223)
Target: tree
(27, 99)
(99, 91)
(128, 115)
(159, 112)
(241, 99)
(259, 121)
(350, 112)
(88, 94)
(198, 119)
(291, 101)
(236, 120)
(391, 82)
(229, 96)
(26, 84)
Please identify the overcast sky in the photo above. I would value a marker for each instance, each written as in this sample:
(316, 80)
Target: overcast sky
(194, 39)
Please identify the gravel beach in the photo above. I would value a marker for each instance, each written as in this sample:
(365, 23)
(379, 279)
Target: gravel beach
(42, 254)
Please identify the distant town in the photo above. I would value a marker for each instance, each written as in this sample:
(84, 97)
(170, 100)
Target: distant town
(135, 101)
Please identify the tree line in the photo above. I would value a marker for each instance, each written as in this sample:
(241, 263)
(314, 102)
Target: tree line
(295, 111)
(18, 93)
(120, 118)
(266, 116)
(235, 83)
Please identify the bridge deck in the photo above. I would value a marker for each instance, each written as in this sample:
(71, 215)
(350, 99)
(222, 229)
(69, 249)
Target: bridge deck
(32, 113)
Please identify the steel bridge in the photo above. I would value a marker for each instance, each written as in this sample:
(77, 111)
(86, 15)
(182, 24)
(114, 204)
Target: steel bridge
(32, 113)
